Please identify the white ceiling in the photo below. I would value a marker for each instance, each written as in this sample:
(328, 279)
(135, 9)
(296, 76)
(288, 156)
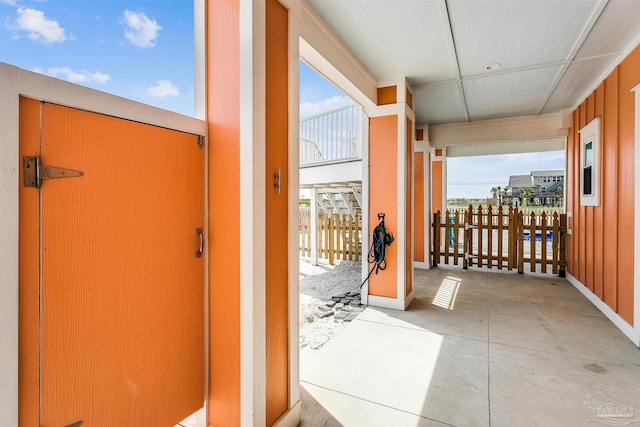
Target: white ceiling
(551, 51)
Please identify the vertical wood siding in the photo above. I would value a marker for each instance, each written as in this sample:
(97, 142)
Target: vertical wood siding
(600, 250)
(277, 284)
(418, 210)
(223, 115)
(383, 181)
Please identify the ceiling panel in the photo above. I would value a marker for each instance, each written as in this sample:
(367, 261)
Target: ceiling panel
(508, 94)
(516, 33)
(576, 80)
(621, 15)
(439, 103)
(394, 39)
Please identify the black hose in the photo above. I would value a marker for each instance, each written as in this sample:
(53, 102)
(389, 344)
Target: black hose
(380, 239)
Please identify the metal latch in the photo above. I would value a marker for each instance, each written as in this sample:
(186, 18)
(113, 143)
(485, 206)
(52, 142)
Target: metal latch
(76, 424)
(34, 172)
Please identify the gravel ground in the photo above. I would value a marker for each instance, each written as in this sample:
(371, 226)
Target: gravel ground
(318, 283)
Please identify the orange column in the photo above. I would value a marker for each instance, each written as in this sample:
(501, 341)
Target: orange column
(391, 193)
(277, 321)
(223, 115)
(248, 115)
(437, 180)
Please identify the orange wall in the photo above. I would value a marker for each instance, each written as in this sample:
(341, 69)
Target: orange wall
(387, 95)
(277, 323)
(600, 250)
(383, 181)
(436, 186)
(223, 107)
(418, 210)
(408, 195)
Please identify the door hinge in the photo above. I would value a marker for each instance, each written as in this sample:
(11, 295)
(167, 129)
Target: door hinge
(200, 141)
(34, 172)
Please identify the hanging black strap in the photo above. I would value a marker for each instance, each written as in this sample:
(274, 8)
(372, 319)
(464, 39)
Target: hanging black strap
(380, 239)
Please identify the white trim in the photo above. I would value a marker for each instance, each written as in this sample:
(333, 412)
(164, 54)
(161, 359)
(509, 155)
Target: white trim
(366, 233)
(292, 417)
(200, 60)
(48, 89)
(393, 303)
(386, 110)
(252, 21)
(401, 205)
(590, 133)
(636, 218)
(632, 333)
(9, 176)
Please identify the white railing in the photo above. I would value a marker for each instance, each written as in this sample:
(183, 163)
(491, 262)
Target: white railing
(331, 137)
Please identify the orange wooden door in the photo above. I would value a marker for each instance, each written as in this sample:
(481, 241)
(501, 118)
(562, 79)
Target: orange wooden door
(122, 291)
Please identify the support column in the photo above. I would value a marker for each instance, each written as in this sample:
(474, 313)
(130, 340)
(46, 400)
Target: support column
(438, 180)
(390, 189)
(252, 209)
(313, 225)
(421, 198)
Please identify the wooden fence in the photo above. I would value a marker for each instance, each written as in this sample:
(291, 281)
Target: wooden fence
(501, 238)
(339, 236)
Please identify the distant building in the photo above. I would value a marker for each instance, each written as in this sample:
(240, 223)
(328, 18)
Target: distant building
(548, 187)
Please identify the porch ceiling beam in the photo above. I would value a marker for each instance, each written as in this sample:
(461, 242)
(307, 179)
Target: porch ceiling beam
(521, 128)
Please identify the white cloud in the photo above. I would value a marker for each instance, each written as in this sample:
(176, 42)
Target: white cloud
(9, 2)
(141, 31)
(308, 109)
(162, 89)
(38, 27)
(68, 74)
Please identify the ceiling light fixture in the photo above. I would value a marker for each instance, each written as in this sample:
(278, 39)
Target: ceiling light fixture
(493, 67)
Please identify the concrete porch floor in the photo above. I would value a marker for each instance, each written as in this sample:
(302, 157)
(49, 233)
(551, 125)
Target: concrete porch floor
(514, 350)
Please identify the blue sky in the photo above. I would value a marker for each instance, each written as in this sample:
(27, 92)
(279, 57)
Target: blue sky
(143, 50)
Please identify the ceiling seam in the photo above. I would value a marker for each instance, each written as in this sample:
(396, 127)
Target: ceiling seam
(491, 74)
(445, 10)
(570, 58)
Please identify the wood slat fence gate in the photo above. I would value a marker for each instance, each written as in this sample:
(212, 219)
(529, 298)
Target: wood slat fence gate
(339, 236)
(502, 238)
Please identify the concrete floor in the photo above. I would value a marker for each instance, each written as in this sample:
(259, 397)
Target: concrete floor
(505, 350)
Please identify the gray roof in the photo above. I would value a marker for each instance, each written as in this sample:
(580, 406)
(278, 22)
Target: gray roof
(548, 173)
(519, 181)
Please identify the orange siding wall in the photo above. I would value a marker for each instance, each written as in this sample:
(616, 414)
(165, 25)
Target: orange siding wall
(277, 323)
(383, 161)
(600, 250)
(418, 211)
(223, 115)
(387, 95)
(408, 185)
(436, 186)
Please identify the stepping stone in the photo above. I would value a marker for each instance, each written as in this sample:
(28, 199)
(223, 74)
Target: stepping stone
(324, 314)
(341, 315)
(350, 317)
(330, 304)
